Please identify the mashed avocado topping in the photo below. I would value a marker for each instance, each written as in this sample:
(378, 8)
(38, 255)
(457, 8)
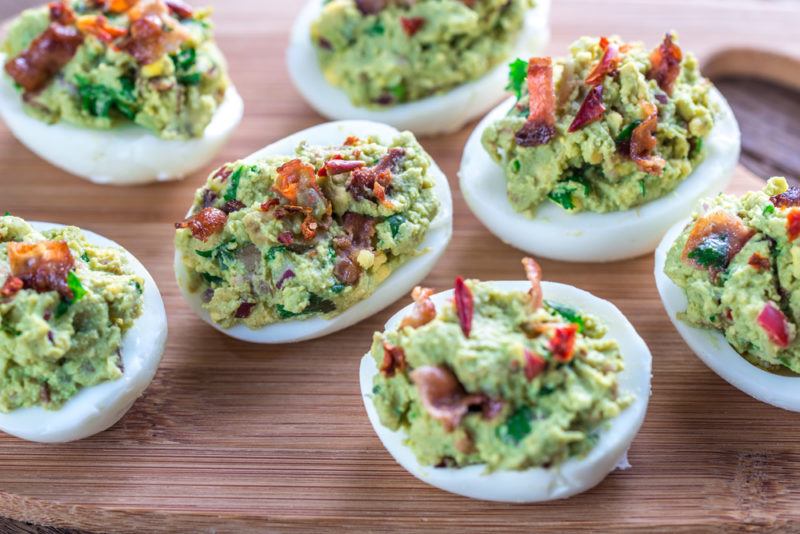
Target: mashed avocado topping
(497, 378)
(607, 128)
(387, 52)
(739, 264)
(100, 64)
(290, 237)
(64, 306)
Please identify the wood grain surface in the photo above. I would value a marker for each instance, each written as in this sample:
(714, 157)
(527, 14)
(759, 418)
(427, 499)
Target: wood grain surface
(237, 437)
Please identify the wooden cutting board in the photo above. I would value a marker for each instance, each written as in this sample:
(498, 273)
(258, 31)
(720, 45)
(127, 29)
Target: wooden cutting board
(236, 437)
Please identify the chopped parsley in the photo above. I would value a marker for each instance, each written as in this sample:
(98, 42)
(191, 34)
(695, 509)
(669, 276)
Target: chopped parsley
(233, 189)
(395, 222)
(567, 313)
(768, 209)
(273, 252)
(399, 92)
(85, 256)
(223, 255)
(99, 100)
(517, 74)
(562, 195)
(516, 427)
(711, 252)
(78, 292)
(643, 187)
(626, 133)
(316, 304)
(697, 149)
(8, 329)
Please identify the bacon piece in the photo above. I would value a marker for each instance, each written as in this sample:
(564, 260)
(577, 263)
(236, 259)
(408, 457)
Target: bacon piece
(362, 181)
(180, 8)
(359, 233)
(758, 262)
(352, 141)
(336, 166)
(116, 6)
(774, 323)
(643, 142)
(394, 360)
(61, 12)
(204, 223)
(465, 305)
(443, 396)
(98, 26)
(607, 64)
(380, 193)
(788, 199)
(153, 32)
(721, 225)
(562, 344)
(370, 7)
(534, 273)
(269, 204)
(666, 64)
(11, 287)
(540, 128)
(424, 309)
(411, 25)
(534, 365)
(34, 68)
(591, 110)
(793, 224)
(297, 183)
(42, 266)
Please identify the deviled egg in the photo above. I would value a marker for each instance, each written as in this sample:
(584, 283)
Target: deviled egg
(598, 153)
(82, 331)
(508, 391)
(429, 66)
(118, 92)
(313, 233)
(730, 282)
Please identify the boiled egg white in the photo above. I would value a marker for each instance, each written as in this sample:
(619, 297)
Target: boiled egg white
(126, 155)
(538, 484)
(712, 347)
(438, 114)
(97, 408)
(397, 285)
(594, 237)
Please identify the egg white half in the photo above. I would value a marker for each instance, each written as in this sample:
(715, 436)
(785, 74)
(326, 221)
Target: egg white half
(397, 285)
(712, 347)
(538, 484)
(438, 114)
(126, 155)
(97, 408)
(594, 237)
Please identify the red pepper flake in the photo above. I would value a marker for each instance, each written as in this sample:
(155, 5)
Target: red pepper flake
(643, 142)
(774, 323)
(591, 110)
(534, 365)
(788, 199)
(534, 273)
(286, 238)
(180, 8)
(204, 223)
(411, 25)
(666, 64)
(394, 360)
(11, 287)
(424, 309)
(793, 224)
(607, 64)
(244, 310)
(562, 344)
(34, 68)
(758, 262)
(540, 128)
(42, 266)
(465, 306)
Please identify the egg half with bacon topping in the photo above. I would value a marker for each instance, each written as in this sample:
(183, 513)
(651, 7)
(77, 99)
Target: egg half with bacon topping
(598, 153)
(730, 282)
(429, 66)
(508, 391)
(313, 233)
(119, 92)
(82, 331)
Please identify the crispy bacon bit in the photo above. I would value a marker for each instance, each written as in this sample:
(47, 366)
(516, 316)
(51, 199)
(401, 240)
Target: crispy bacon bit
(362, 181)
(774, 323)
(352, 141)
(534, 365)
(394, 360)
(117, 6)
(297, 183)
(244, 310)
(269, 204)
(204, 223)
(340, 166)
(45, 57)
(411, 25)
(232, 206)
(98, 26)
(643, 142)
(443, 396)
(793, 224)
(540, 128)
(153, 33)
(723, 228)
(534, 273)
(61, 12)
(223, 173)
(180, 8)
(562, 344)
(759, 262)
(591, 110)
(607, 64)
(788, 199)
(370, 7)
(42, 266)
(359, 232)
(11, 287)
(380, 193)
(465, 305)
(424, 309)
(666, 64)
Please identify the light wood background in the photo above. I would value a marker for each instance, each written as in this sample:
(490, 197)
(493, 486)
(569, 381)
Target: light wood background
(237, 437)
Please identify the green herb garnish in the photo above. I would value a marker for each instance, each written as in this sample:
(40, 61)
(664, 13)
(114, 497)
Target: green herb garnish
(697, 148)
(399, 92)
(626, 133)
(85, 257)
(211, 279)
(274, 251)
(643, 187)
(517, 74)
(562, 195)
(567, 313)
(190, 79)
(711, 252)
(769, 209)
(337, 288)
(224, 256)
(395, 222)
(233, 189)
(78, 292)
(516, 427)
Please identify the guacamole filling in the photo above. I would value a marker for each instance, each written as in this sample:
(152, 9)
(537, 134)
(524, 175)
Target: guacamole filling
(64, 306)
(387, 52)
(607, 128)
(739, 264)
(497, 378)
(290, 237)
(100, 64)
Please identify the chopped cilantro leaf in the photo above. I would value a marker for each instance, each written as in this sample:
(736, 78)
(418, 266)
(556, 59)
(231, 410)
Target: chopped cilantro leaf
(711, 252)
(516, 427)
(562, 195)
(768, 209)
(697, 149)
(517, 165)
(517, 74)
(8, 329)
(395, 222)
(283, 313)
(376, 29)
(7, 214)
(643, 187)
(85, 257)
(190, 79)
(337, 288)
(567, 313)
(74, 283)
(233, 189)
(138, 286)
(274, 251)
(185, 59)
(580, 179)
(785, 362)
(221, 253)
(399, 92)
(211, 279)
(99, 100)
(626, 133)
(376, 389)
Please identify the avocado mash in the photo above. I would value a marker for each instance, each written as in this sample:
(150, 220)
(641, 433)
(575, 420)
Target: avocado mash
(288, 237)
(739, 264)
(103, 64)
(64, 306)
(387, 52)
(494, 378)
(607, 128)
